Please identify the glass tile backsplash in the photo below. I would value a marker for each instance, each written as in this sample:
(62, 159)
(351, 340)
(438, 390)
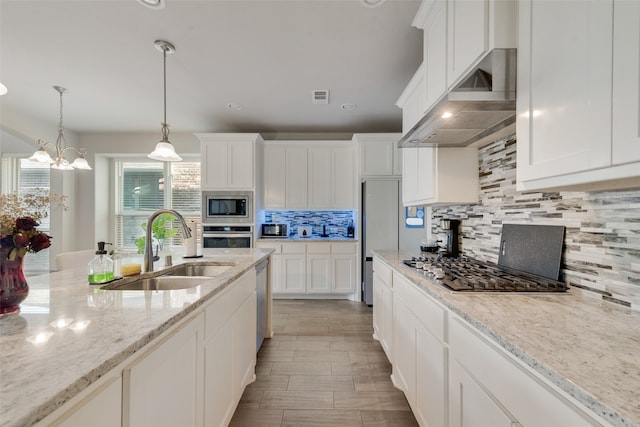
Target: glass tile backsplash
(335, 222)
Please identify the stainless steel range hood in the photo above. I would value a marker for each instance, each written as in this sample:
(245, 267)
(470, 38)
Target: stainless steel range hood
(483, 104)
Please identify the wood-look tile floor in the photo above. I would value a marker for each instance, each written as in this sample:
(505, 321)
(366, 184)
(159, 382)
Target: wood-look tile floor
(322, 368)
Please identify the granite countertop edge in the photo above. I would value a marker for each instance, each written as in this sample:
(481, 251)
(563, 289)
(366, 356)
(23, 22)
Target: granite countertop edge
(545, 368)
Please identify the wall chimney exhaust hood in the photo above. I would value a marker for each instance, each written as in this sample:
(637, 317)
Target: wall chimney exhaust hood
(483, 104)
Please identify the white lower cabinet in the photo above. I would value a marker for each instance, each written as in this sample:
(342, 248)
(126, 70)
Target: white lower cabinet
(383, 306)
(489, 387)
(229, 350)
(313, 268)
(420, 354)
(102, 408)
(162, 388)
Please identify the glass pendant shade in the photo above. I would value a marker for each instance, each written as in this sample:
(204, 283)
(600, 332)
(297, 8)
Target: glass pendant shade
(165, 152)
(81, 163)
(41, 156)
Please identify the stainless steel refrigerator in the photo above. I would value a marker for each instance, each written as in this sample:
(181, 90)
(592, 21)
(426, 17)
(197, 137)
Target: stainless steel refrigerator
(383, 227)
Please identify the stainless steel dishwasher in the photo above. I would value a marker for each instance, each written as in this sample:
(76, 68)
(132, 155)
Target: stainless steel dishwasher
(261, 293)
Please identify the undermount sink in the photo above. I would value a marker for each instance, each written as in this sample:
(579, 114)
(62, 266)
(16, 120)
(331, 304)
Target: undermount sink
(161, 283)
(208, 270)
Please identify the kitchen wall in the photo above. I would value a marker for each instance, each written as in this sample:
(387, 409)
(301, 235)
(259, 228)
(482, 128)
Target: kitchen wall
(336, 222)
(602, 239)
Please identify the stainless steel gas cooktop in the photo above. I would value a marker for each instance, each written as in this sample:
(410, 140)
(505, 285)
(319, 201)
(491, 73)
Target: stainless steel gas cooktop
(470, 275)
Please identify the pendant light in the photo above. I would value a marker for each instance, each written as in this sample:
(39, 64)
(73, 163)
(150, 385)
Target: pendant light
(164, 149)
(60, 146)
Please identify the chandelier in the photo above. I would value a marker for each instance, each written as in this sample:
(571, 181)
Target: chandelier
(164, 149)
(60, 147)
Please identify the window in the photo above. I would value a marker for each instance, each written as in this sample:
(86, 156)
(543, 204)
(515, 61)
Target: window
(23, 176)
(144, 186)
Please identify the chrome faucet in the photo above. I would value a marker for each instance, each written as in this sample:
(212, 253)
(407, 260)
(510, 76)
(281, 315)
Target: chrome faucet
(148, 246)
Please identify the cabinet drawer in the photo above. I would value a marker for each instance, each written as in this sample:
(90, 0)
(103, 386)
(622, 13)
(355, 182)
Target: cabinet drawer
(431, 314)
(221, 309)
(277, 247)
(318, 248)
(343, 248)
(383, 272)
(294, 248)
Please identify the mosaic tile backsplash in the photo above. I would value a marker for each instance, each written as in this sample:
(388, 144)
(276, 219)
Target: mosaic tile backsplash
(335, 222)
(602, 238)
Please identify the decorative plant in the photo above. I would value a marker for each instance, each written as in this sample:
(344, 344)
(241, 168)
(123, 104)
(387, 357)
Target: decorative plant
(160, 230)
(19, 216)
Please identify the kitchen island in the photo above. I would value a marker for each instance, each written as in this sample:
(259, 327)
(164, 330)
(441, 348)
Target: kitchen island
(582, 351)
(71, 336)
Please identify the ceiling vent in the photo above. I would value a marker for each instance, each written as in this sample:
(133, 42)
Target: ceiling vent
(320, 97)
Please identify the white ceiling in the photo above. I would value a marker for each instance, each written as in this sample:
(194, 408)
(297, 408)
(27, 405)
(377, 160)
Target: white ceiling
(266, 55)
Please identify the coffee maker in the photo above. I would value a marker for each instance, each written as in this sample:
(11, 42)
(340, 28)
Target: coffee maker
(451, 227)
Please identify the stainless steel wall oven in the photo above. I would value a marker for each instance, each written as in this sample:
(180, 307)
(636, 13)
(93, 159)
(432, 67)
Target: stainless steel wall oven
(227, 236)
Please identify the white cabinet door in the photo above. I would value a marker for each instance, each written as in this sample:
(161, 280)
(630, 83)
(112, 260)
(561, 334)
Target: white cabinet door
(376, 157)
(241, 164)
(404, 347)
(564, 87)
(318, 273)
(320, 178)
(162, 388)
(387, 320)
(431, 404)
(626, 84)
(468, 35)
(344, 273)
(294, 273)
(102, 409)
(343, 178)
(472, 405)
(244, 345)
(435, 175)
(409, 175)
(275, 177)
(435, 53)
(214, 165)
(296, 190)
(219, 377)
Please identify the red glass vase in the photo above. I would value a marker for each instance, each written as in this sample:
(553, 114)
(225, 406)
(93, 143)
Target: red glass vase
(13, 284)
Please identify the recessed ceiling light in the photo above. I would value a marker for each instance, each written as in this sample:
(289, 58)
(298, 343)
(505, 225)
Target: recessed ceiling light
(234, 106)
(348, 107)
(153, 4)
(371, 3)
(446, 115)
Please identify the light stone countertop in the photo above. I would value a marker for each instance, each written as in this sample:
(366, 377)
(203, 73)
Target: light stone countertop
(37, 378)
(587, 347)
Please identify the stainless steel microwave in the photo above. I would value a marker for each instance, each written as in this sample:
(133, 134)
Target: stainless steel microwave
(227, 207)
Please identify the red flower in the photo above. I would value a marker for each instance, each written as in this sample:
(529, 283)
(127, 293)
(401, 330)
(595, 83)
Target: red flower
(20, 240)
(26, 223)
(40, 241)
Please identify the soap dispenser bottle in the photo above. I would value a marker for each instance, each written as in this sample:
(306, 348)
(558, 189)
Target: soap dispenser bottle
(101, 267)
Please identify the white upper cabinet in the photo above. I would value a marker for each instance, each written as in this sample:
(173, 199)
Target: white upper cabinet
(228, 161)
(474, 28)
(435, 52)
(379, 155)
(572, 80)
(434, 175)
(302, 175)
(626, 84)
